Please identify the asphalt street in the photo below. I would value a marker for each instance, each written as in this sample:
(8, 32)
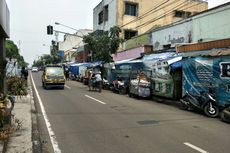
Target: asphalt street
(80, 121)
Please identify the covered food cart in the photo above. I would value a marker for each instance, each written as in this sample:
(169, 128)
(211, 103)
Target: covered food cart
(140, 84)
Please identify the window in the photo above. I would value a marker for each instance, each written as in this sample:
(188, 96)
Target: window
(100, 17)
(182, 14)
(106, 13)
(103, 15)
(131, 9)
(129, 34)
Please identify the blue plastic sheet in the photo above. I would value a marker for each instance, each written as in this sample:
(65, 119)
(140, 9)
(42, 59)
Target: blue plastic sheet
(202, 74)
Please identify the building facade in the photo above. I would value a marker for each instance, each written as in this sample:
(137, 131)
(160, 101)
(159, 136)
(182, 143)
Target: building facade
(4, 33)
(71, 43)
(171, 35)
(209, 25)
(136, 17)
(212, 24)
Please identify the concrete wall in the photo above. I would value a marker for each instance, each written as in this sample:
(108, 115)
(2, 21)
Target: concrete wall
(111, 15)
(173, 34)
(212, 25)
(137, 41)
(128, 54)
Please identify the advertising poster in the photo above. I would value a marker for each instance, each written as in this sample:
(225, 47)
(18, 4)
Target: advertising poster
(208, 74)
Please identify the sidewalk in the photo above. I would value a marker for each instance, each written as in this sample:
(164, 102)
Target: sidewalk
(21, 141)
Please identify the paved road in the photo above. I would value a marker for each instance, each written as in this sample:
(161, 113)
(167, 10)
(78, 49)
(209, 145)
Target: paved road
(92, 122)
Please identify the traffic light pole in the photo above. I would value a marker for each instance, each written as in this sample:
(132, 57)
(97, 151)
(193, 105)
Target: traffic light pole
(67, 33)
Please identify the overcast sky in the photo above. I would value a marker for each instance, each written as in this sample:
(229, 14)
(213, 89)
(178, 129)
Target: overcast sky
(29, 18)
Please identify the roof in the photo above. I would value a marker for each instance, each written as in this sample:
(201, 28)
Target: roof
(223, 43)
(210, 53)
(160, 56)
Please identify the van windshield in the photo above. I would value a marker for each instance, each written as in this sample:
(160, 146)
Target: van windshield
(54, 71)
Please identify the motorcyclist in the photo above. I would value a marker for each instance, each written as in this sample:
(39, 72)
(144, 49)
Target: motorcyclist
(96, 76)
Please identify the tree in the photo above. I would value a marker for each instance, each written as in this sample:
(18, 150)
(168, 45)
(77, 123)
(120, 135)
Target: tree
(103, 43)
(47, 59)
(12, 51)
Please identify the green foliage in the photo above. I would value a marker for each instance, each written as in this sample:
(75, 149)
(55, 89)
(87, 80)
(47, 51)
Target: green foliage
(47, 59)
(16, 86)
(103, 43)
(12, 51)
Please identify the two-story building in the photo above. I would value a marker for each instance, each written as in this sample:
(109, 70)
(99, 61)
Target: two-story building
(71, 43)
(136, 17)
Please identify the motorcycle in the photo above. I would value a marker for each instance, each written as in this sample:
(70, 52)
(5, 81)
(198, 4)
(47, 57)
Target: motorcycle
(96, 85)
(204, 101)
(105, 84)
(119, 86)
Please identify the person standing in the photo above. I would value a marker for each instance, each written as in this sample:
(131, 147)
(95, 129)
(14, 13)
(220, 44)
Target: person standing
(66, 72)
(24, 73)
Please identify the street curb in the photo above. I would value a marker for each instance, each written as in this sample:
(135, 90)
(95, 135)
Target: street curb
(36, 141)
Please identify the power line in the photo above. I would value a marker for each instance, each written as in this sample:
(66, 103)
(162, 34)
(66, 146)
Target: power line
(146, 13)
(159, 17)
(167, 13)
(169, 4)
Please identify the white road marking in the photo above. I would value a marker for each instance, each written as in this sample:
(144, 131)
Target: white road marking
(48, 125)
(67, 87)
(195, 147)
(95, 99)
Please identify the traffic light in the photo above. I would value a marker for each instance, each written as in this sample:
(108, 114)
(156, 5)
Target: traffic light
(49, 30)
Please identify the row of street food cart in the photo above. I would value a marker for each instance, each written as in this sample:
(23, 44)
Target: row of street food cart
(171, 74)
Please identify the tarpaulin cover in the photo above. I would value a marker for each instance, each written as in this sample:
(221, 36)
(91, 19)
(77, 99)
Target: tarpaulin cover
(123, 69)
(74, 68)
(132, 64)
(61, 53)
(161, 65)
(97, 63)
(205, 74)
(159, 56)
(176, 65)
